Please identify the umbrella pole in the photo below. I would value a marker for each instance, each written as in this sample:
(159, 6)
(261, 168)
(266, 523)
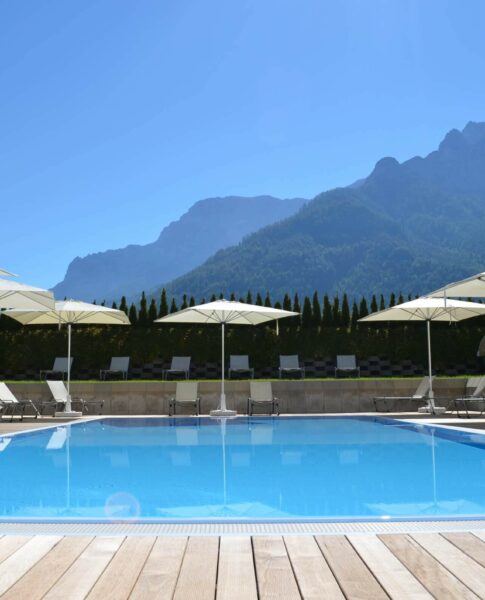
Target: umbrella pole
(430, 369)
(68, 407)
(223, 395)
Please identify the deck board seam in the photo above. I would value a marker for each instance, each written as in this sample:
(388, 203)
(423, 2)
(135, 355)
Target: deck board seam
(461, 549)
(142, 567)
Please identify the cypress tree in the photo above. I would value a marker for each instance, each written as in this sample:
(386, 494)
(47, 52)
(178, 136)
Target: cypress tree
(400, 300)
(345, 312)
(173, 306)
(184, 302)
(192, 301)
(249, 298)
(317, 311)
(124, 305)
(277, 305)
(363, 310)
(221, 296)
(355, 314)
(163, 312)
(213, 298)
(382, 303)
(287, 303)
(296, 304)
(232, 297)
(267, 301)
(143, 312)
(336, 310)
(114, 305)
(307, 315)
(327, 316)
(259, 300)
(373, 304)
(152, 311)
(392, 300)
(133, 315)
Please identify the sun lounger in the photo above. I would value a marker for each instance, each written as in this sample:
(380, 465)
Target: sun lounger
(9, 404)
(59, 399)
(60, 367)
(185, 395)
(290, 365)
(119, 366)
(180, 366)
(421, 395)
(347, 365)
(474, 399)
(261, 395)
(239, 365)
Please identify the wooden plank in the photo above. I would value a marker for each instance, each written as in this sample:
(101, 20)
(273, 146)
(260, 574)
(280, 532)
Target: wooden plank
(352, 574)
(42, 576)
(387, 569)
(480, 535)
(469, 544)
(434, 577)
(78, 580)
(314, 577)
(274, 574)
(236, 578)
(18, 563)
(161, 570)
(197, 578)
(457, 562)
(11, 543)
(119, 577)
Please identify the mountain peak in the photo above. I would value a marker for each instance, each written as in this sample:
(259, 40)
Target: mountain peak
(474, 132)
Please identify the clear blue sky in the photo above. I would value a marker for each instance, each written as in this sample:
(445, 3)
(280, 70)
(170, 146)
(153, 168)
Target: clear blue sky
(116, 116)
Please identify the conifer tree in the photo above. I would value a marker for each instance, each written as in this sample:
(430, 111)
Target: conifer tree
(213, 298)
(259, 300)
(133, 314)
(163, 312)
(221, 296)
(287, 303)
(363, 310)
(336, 311)
(306, 315)
(173, 306)
(124, 305)
(373, 304)
(143, 312)
(114, 305)
(392, 300)
(400, 300)
(316, 310)
(184, 302)
(296, 304)
(192, 301)
(345, 312)
(355, 314)
(277, 304)
(267, 301)
(249, 298)
(232, 297)
(382, 303)
(152, 311)
(327, 315)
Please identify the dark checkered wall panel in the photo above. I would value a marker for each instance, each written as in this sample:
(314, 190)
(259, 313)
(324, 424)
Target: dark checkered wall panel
(373, 366)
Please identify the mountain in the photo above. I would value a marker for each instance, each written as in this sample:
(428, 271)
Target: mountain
(408, 226)
(206, 227)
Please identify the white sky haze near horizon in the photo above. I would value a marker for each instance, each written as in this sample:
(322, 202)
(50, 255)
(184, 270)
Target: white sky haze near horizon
(117, 116)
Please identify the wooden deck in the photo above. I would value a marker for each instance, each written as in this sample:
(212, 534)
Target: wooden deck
(365, 567)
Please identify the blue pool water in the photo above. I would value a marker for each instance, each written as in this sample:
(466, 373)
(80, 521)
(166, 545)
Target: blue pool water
(249, 469)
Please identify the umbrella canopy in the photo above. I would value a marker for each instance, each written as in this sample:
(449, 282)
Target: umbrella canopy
(429, 309)
(4, 273)
(226, 312)
(70, 312)
(25, 297)
(472, 287)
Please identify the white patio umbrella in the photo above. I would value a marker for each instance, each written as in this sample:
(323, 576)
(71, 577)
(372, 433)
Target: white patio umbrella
(25, 297)
(70, 312)
(226, 312)
(4, 273)
(471, 287)
(429, 309)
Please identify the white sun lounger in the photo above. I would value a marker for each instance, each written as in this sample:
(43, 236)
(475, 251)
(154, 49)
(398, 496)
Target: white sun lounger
(347, 365)
(185, 395)
(60, 366)
(9, 404)
(421, 394)
(239, 365)
(180, 366)
(119, 366)
(261, 395)
(59, 399)
(289, 365)
(474, 398)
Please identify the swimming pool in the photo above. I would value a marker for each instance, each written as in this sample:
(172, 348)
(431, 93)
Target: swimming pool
(248, 469)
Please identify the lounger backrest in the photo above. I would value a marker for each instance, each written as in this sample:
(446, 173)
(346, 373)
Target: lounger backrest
(60, 364)
(346, 361)
(6, 395)
(120, 363)
(475, 386)
(186, 391)
(261, 390)
(58, 390)
(239, 361)
(422, 389)
(181, 363)
(289, 361)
